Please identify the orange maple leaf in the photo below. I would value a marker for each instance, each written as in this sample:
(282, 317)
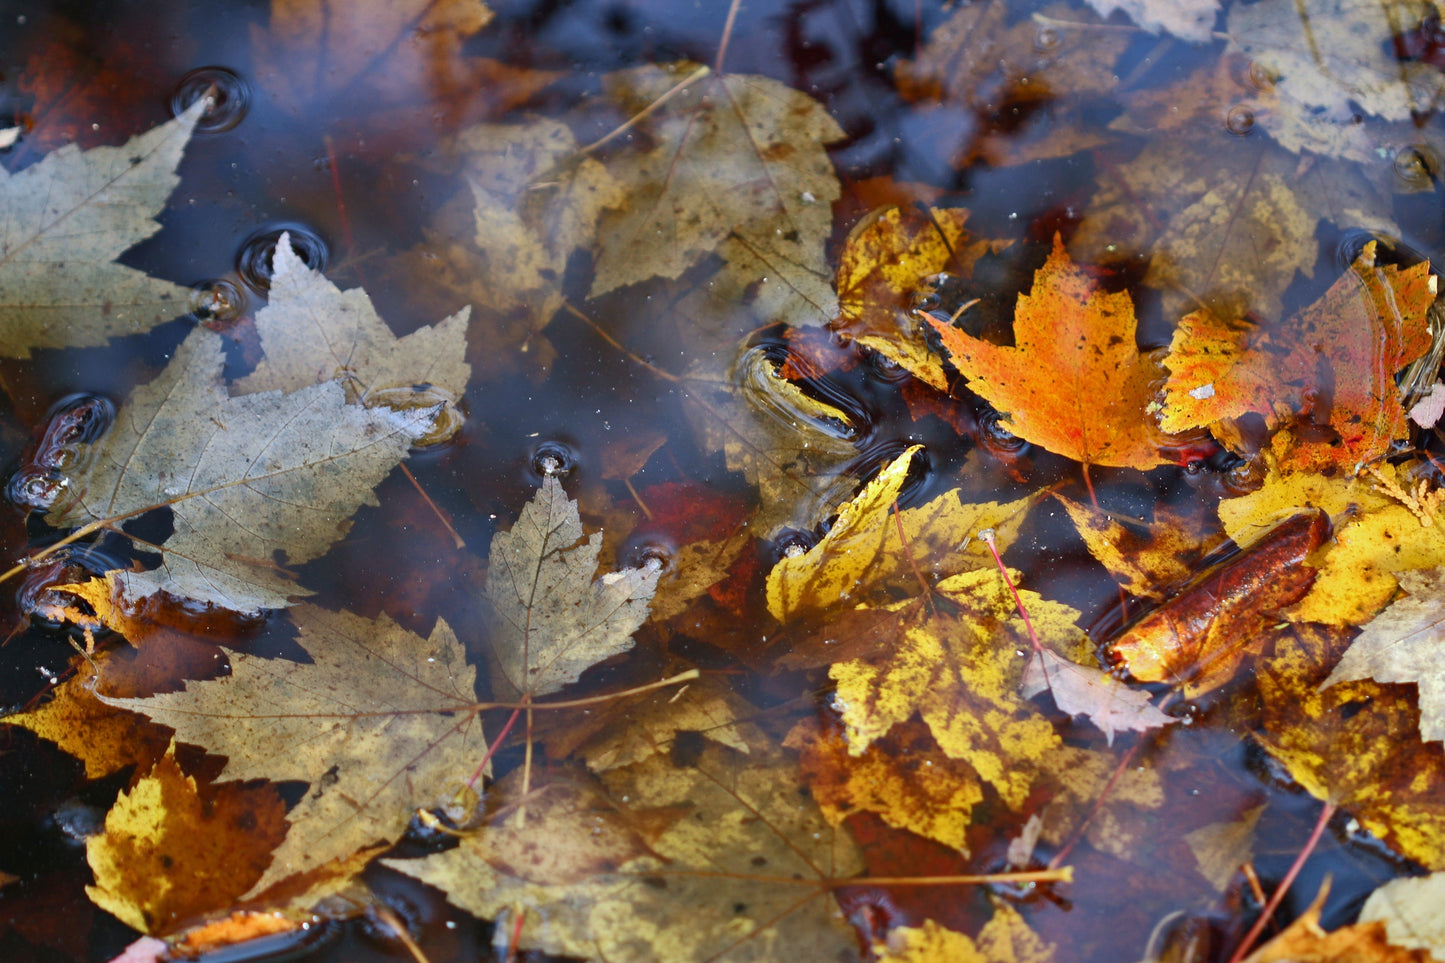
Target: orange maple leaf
(1075, 382)
(1341, 353)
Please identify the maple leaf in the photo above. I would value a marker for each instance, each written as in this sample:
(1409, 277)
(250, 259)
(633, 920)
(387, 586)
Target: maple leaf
(737, 169)
(380, 722)
(1374, 537)
(312, 332)
(1088, 690)
(728, 875)
(961, 674)
(172, 851)
(1410, 910)
(861, 549)
(243, 478)
(1350, 343)
(1337, 56)
(1074, 383)
(889, 257)
(553, 622)
(1355, 744)
(1148, 558)
(1006, 936)
(1405, 643)
(65, 220)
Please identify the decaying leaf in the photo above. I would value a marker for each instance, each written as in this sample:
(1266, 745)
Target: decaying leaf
(883, 271)
(961, 674)
(1346, 346)
(1077, 777)
(553, 621)
(380, 722)
(1200, 638)
(1089, 690)
(242, 478)
(1305, 941)
(1355, 744)
(1374, 537)
(738, 169)
(1004, 939)
(739, 873)
(1222, 848)
(1074, 382)
(1410, 910)
(312, 332)
(1150, 559)
(172, 851)
(1406, 643)
(65, 221)
(903, 777)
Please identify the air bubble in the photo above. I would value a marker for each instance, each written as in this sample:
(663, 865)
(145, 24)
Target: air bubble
(553, 459)
(792, 542)
(1260, 76)
(995, 437)
(217, 302)
(254, 260)
(230, 98)
(1416, 167)
(650, 556)
(1047, 38)
(73, 423)
(1239, 121)
(1244, 476)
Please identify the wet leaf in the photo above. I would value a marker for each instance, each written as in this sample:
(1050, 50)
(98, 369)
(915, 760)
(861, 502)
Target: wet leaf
(961, 674)
(883, 271)
(1201, 637)
(312, 332)
(1338, 56)
(173, 851)
(553, 621)
(1074, 382)
(903, 777)
(66, 220)
(1222, 848)
(1410, 910)
(1355, 744)
(244, 479)
(1191, 20)
(1005, 938)
(1375, 536)
(1088, 690)
(1122, 824)
(738, 169)
(1149, 559)
(741, 874)
(1305, 941)
(379, 723)
(1345, 348)
(1405, 643)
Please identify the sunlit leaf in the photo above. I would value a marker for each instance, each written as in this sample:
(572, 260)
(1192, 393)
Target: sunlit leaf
(64, 221)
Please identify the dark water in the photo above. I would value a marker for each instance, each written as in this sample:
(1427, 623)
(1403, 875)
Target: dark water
(354, 175)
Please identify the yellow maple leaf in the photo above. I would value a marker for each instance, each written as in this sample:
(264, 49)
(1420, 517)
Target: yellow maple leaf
(1006, 938)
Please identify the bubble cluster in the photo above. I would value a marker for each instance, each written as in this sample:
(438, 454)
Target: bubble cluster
(72, 424)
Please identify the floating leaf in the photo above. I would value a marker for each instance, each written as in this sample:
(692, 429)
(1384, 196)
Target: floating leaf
(65, 221)
(1074, 382)
(1088, 690)
(243, 478)
(1191, 20)
(1148, 558)
(553, 621)
(1405, 643)
(1410, 910)
(173, 851)
(380, 722)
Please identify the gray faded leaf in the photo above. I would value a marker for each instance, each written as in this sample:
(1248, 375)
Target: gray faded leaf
(313, 332)
(380, 722)
(244, 478)
(552, 620)
(64, 221)
(1405, 643)
(739, 169)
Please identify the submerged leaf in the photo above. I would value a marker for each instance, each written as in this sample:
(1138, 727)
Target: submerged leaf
(553, 621)
(244, 479)
(64, 221)
(1006, 938)
(380, 722)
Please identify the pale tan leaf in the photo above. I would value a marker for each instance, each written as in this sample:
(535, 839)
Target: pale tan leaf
(1086, 690)
(1411, 911)
(64, 221)
(244, 478)
(552, 620)
(379, 723)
